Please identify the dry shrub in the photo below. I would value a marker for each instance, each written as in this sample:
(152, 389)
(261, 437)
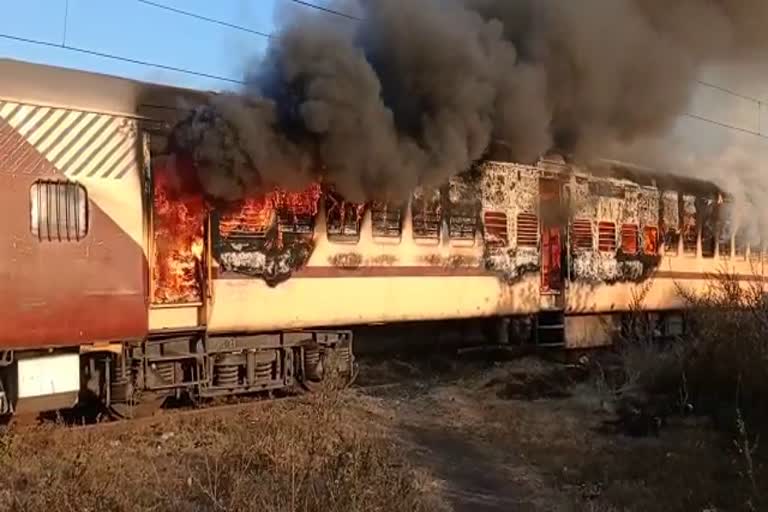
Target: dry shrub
(277, 457)
(726, 350)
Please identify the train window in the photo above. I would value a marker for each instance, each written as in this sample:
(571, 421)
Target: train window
(462, 226)
(58, 211)
(527, 230)
(629, 234)
(387, 220)
(672, 240)
(581, 234)
(740, 243)
(650, 240)
(606, 236)
(295, 224)
(342, 218)
(252, 220)
(296, 211)
(496, 229)
(708, 227)
(426, 215)
(690, 227)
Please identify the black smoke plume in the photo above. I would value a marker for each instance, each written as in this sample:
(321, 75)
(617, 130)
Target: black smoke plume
(416, 91)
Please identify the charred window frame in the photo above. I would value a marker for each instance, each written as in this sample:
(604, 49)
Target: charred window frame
(755, 249)
(630, 234)
(527, 230)
(707, 213)
(250, 220)
(724, 230)
(463, 208)
(58, 211)
(606, 236)
(689, 225)
(650, 240)
(463, 225)
(740, 243)
(670, 218)
(292, 223)
(496, 229)
(296, 211)
(387, 220)
(343, 219)
(581, 235)
(427, 215)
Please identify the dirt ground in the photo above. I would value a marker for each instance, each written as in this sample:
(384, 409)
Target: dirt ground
(475, 435)
(528, 435)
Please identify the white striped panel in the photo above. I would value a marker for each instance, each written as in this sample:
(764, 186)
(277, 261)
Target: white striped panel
(19, 116)
(59, 153)
(68, 117)
(117, 157)
(104, 143)
(32, 123)
(35, 137)
(81, 141)
(81, 134)
(6, 108)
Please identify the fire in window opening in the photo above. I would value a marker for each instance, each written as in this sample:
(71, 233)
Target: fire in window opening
(650, 240)
(178, 222)
(343, 218)
(387, 219)
(252, 218)
(527, 230)
(606, 237)
(629, 236)
(496, 229)
(58, 211)
(581, 234)
(426, 214)
(296, 211)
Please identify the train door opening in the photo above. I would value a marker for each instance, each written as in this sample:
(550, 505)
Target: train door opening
(552, 228)
(179, 249)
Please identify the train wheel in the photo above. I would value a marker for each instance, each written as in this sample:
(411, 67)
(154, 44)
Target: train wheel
(327, 369)
(143, 406)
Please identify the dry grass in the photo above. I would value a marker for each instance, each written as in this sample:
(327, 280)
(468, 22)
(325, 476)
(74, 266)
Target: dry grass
(718, 369)
(278, 457)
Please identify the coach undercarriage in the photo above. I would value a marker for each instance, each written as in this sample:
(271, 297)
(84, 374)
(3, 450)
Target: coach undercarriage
(136, 379)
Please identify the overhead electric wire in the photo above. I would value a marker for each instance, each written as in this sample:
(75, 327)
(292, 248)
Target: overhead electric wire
(326, 9)
(205, 18)
(119, 57)
(65, 46)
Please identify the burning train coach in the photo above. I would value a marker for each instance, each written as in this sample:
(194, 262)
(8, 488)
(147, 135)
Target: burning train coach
(119, 282)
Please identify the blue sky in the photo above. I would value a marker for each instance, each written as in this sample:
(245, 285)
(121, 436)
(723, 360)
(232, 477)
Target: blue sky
(129, 28)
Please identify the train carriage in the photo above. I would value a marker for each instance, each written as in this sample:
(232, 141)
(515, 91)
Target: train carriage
(120, 282)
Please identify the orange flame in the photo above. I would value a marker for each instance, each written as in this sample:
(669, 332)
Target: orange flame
(254, 218)
(256, 215)
(178, 221)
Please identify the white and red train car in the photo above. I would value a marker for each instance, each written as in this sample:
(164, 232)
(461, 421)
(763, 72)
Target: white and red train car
(118, 282)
